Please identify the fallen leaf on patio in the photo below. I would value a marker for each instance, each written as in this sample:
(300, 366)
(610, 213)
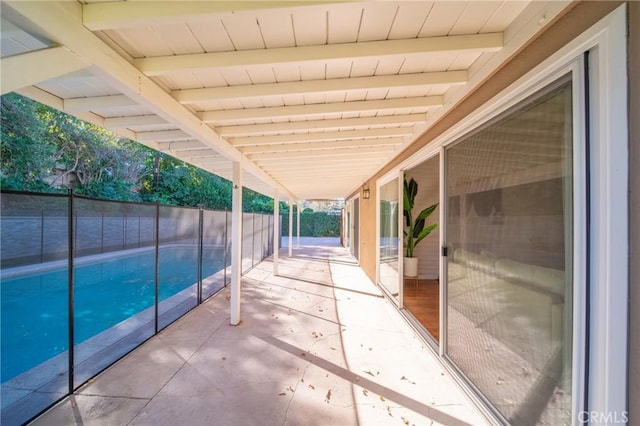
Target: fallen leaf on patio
(365, 392)
(382, 398)
(328, 396)
(315, 335)
(312, 387)
(302, 380)
(369, 372)
(224, 359)
(332, 348)
(405, 421)
(282, 393)
(303, 354)
(410, 381)
(289, 388)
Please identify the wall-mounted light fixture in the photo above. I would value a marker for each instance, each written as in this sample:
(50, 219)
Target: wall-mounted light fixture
(365, 192)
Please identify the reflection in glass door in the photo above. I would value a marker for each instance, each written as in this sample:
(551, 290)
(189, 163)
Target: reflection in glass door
(509, 268)
(388, 203)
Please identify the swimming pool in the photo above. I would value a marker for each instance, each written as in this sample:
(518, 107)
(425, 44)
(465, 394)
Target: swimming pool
(34, 310)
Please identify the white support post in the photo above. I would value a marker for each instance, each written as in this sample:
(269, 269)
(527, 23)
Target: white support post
(276, 230)
(236, 243)
(298, 228)
(290, 228)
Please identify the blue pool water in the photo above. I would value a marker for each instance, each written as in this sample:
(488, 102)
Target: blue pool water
(34, 310)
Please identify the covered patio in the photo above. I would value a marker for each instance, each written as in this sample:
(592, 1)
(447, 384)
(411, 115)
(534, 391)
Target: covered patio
(486, 103)
(318, 344)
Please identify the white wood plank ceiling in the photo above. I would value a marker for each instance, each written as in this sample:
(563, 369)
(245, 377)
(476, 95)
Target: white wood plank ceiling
(313, 98)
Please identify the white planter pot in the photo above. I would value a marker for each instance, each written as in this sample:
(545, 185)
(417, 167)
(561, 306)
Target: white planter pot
(410, 265)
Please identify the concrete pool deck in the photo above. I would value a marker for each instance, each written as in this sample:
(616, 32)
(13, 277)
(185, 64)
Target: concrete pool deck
(318, 345)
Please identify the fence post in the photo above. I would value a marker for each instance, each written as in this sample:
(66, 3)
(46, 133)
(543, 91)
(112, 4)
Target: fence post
(276, 230)
(70, 291)
(226, 223)
(253, 240)
(42, 235)
(290, 228)
(102, 232)
(200, 242)
(298, 225)
(157, 266)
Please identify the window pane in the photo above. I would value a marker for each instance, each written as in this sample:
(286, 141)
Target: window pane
(509, 232)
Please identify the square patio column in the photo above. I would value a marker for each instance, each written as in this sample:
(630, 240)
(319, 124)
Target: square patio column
(276, 230)
(290, 228)
(236, 243)
(298, 233)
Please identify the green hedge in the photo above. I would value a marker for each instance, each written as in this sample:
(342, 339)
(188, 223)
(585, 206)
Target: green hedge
(313, 224)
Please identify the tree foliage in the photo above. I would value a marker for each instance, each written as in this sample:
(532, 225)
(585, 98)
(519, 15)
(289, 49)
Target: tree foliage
(26, 155)
(313, 224)
(46, 150)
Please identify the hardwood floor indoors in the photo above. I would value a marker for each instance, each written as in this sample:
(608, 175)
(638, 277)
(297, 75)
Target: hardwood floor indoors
(422, 299)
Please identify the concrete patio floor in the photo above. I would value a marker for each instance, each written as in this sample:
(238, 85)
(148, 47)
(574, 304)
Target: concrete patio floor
(318, 345)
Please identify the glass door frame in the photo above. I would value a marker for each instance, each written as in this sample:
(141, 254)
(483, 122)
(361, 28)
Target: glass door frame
(427, 154)
(389, 177)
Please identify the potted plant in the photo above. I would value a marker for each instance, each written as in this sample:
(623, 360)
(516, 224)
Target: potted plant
(415, 230)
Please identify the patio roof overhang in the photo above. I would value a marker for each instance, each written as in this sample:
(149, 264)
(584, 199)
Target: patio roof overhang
(311, 98)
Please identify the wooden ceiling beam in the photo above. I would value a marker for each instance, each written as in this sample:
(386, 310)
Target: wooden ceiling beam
(320, 146)
(321, 136)
(117, 15)
(163, 136)
(305, 126)
(307, 87)
(161, 65)
(354, 154)
(234, 115)
(133, 121)
(26, 69)
(96, 103)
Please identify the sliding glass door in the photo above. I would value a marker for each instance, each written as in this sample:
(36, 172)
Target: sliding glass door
(509, 234)
(388, 206)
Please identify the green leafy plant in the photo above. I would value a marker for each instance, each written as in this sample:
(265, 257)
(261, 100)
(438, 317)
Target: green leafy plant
(415, 230)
